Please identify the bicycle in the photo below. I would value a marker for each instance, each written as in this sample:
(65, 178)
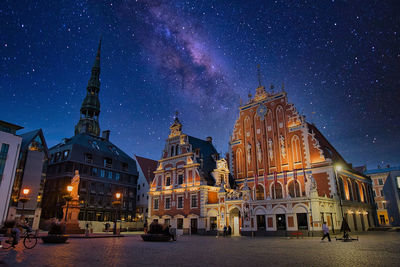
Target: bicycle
(29, 240)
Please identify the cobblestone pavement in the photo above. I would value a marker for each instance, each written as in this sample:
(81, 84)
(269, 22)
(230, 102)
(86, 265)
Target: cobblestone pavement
(373, 249)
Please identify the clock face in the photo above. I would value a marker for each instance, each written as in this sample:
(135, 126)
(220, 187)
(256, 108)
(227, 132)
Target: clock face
(261, 111)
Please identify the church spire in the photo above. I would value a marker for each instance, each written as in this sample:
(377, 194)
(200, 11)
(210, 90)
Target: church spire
(90, 109)
(176, 127)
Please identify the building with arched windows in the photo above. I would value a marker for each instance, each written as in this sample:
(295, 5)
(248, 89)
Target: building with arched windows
(288, 177)
(284, 176)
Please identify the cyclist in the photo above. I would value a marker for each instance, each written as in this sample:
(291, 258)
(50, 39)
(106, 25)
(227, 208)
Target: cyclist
(16, 228)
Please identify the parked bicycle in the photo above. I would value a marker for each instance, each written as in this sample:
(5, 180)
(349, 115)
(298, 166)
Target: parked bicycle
(28, 239)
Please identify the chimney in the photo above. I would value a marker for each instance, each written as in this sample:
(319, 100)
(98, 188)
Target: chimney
(106, 134)
(209, 139)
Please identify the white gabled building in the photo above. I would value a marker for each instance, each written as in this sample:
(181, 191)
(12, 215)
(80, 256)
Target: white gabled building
(146, 168)
(10, 145)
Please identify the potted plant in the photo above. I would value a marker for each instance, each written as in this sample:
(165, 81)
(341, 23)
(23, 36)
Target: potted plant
(55, 234)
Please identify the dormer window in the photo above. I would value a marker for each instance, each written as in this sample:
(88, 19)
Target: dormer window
(65, 154)
(94, 144)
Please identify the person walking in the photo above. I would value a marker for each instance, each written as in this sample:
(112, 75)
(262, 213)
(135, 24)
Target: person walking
(225, 230)
(325, 230)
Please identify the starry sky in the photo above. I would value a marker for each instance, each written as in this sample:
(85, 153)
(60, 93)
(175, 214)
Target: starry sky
(339, 61)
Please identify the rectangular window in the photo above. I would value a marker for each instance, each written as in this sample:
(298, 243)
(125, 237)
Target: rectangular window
(380, 181)
(179, 223)
(155, 204)
(117, 176)
(125, 167)
(381, 193)
(180, 202)
(180, 179)
(193, 202)
(110, 175)
(3, 158)
(167, 221)
(65, 154)
(167, 203)
(168, 181)
(102, 173)
(94, 172)
(108, 163)
(88, 158)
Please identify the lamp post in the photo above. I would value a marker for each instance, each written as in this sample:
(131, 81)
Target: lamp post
(116, 203)
(68, 198)
(24, 199)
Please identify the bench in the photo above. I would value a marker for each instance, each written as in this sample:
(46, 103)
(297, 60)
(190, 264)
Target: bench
(297, 234)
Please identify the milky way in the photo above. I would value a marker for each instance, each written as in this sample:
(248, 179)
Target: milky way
(339, 62)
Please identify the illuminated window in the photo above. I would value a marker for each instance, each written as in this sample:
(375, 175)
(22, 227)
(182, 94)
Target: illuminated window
(180, 202)
(102, 173)
(167, 203)
(294, 189)
(277, 191)
(108, 163)
(193, 201)
(179, 223)
(260, 192)
(380, 181)
(398, 181)
(155, 204)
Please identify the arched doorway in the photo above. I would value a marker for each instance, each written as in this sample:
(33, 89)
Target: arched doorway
(234, 218)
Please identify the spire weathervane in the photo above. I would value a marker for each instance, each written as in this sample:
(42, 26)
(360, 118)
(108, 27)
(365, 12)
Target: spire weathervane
(259, 75)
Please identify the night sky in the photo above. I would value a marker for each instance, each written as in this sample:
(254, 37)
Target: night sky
(339, 61)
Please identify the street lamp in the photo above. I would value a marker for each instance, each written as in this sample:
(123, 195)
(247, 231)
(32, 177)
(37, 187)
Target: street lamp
(116, 203)
(24, 199)
(68, 198)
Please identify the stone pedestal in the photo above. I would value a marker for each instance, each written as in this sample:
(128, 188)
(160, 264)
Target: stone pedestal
(72, 224)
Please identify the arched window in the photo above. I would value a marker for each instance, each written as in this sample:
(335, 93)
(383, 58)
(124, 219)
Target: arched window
(172, 151)
(259, 192)
(277, 191)
(341, 188)
(350, 187)
(364, 197)
(239, 161)
(177, 150)
(294, 189)
(357, 189)
(296, 149)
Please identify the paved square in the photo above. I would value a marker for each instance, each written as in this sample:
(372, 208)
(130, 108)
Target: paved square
(373, 249)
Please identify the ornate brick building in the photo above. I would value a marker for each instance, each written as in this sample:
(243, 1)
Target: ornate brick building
(183, 177)
(284, 176)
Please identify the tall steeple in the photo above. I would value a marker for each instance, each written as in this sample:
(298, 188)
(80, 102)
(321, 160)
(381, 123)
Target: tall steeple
(90, 109)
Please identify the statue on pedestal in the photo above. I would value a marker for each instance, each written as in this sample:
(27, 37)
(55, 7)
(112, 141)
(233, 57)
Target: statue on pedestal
(75, 184)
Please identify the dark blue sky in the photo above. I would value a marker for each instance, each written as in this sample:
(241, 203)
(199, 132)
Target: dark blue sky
(339, 61)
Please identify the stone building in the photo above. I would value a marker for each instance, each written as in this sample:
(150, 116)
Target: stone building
(178, 193)
(146, 168)
(104, 168)
(379, 177)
